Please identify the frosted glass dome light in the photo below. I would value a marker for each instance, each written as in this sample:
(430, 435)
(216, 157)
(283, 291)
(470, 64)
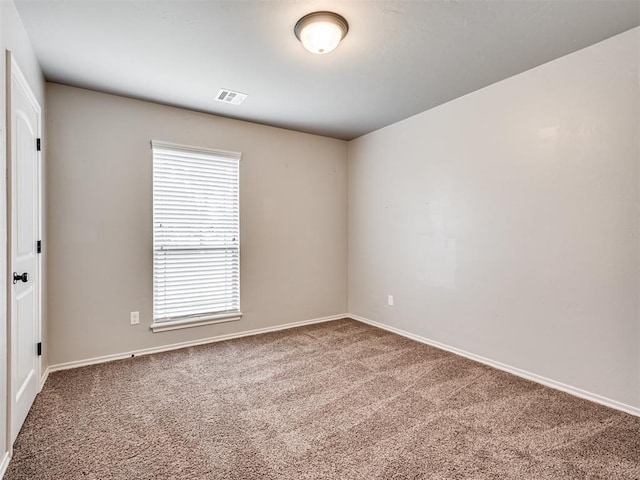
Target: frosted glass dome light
(321, 32)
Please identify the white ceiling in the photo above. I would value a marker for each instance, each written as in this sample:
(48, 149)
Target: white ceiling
(399, 58)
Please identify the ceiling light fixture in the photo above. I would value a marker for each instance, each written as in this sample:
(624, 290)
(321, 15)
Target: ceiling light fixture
(321, 32)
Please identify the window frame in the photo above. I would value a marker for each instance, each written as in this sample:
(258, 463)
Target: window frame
(194, 320)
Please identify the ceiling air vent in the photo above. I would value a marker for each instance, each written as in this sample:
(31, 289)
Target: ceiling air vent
(228, 96)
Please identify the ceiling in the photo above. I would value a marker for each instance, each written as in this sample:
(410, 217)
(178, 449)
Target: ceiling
(398, 59)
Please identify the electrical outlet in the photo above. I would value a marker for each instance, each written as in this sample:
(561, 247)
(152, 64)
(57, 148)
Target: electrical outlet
(390, 300)
(135, 318)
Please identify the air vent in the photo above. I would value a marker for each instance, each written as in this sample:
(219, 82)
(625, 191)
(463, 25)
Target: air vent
(229, 96)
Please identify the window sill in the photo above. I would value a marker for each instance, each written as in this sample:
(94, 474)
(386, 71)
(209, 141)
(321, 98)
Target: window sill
(189, 322)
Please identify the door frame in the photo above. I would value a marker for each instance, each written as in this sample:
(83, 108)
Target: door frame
(13, 72)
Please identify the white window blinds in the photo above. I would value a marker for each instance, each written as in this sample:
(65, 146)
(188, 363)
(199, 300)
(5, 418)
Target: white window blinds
(196, 228)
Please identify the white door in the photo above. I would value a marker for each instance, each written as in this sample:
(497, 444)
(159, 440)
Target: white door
(24, 279)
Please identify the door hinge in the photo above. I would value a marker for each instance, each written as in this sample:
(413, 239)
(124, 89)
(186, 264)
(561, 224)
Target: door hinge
(38, 144)
(39, 246)
(39, 349)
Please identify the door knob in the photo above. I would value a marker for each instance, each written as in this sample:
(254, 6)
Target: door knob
(20, 278)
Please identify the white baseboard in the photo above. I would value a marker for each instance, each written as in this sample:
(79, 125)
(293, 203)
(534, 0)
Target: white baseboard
(4, 463)
(492, 363)
(507, 368)
(175, 346)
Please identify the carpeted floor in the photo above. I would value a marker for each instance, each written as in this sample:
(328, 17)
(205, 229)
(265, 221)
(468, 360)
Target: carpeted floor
(339, 400)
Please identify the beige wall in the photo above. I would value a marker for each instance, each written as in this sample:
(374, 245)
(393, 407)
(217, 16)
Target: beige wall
(293, 190)
(505, 223)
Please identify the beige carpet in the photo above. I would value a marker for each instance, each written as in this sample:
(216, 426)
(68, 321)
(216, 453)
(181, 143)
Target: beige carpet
(339, 400)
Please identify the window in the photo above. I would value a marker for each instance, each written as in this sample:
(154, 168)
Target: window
(196, 243)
